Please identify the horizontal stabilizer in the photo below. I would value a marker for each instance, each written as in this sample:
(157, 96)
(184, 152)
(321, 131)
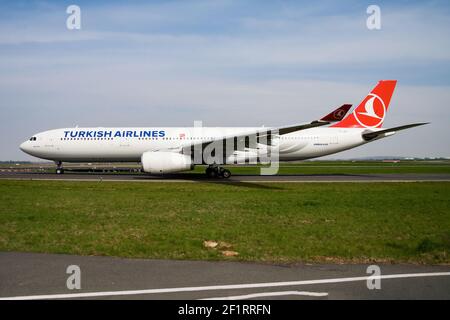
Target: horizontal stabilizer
(375, 134)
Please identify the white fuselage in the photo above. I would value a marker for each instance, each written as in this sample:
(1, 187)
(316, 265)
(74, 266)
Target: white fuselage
(128, 144)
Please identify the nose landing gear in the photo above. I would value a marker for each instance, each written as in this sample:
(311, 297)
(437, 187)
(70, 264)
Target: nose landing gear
(215, 171)
(59, 168)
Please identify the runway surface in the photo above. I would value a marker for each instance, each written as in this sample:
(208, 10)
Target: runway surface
(43, 276)
(193, 177)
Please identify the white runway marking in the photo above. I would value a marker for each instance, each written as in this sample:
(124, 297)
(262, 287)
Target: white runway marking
(223, 287)
(271, 294)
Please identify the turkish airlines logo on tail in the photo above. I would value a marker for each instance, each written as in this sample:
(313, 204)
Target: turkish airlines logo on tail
(371, 112)
(339, 114)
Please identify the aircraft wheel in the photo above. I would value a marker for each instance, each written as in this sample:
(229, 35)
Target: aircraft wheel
(59, 171)
(226, 173)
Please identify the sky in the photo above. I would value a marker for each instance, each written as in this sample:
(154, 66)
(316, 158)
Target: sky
(226, 63)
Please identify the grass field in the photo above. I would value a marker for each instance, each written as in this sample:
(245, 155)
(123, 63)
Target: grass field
(292, 222)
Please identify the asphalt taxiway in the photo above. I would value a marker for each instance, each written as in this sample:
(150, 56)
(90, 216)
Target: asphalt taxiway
(44, 276)
(193, 177)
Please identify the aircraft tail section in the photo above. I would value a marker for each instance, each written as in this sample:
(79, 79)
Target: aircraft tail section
(371, 112)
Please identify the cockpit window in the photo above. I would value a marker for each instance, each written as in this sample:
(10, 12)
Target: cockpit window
(33, 139)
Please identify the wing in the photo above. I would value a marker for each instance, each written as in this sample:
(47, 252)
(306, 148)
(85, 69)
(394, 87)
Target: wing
(252, 138)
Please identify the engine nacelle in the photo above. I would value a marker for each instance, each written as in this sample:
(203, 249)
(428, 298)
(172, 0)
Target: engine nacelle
(159, 162)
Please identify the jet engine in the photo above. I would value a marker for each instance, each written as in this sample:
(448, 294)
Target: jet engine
(159, 162)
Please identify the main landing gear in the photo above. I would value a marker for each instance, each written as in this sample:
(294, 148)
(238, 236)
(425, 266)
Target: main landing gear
(215, 171)
(59, 168)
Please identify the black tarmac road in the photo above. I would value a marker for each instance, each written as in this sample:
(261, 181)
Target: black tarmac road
(43, 276)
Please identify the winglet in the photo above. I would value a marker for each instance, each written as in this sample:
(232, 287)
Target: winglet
(338, 114)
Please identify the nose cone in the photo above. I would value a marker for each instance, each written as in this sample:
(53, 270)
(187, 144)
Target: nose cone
(25, 147)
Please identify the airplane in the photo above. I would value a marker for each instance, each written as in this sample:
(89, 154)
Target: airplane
(167, 150)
